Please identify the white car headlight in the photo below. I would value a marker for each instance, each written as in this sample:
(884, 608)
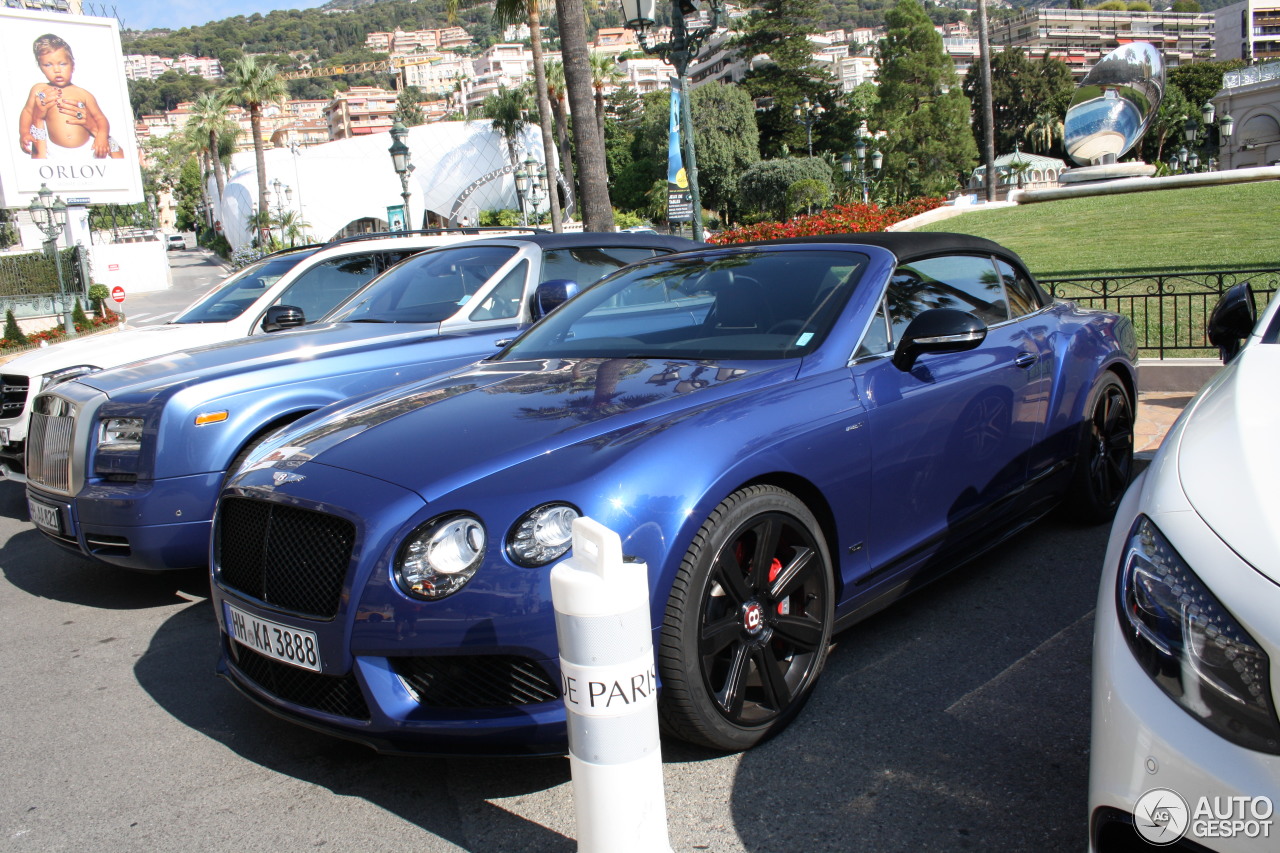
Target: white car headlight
(66, 374)
(543, 534)
(439, 557)
(1191, 646)
(120, 434)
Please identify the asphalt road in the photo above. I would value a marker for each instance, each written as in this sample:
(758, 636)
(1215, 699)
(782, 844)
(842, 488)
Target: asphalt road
(958, 719)
(193, 272)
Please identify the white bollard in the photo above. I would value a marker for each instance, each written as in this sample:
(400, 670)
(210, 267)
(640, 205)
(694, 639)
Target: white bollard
(609, 681)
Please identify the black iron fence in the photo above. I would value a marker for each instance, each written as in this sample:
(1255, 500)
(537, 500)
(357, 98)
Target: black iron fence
(1170, 310)
(29, 283)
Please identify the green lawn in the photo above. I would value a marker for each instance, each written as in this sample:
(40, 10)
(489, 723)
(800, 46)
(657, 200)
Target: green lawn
(1228, 227)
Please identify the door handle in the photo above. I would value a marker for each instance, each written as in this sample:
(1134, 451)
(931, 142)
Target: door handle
(1026, 359)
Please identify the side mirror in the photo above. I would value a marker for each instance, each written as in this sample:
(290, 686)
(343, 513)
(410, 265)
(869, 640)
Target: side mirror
(282, 317)
(938, 330)
(1232, 320)
(550, 295)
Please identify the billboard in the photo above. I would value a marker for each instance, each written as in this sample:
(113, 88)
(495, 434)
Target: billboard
(64, 110)
(679, 196)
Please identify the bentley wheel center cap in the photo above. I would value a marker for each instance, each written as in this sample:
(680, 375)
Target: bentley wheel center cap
(752, 617)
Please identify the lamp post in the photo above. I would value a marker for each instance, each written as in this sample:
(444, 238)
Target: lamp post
(537, 175)
(807, 114)
(522, 188)
(400, 162)
(860, 149)
(51, 218)
(281, 187)
(640, 15)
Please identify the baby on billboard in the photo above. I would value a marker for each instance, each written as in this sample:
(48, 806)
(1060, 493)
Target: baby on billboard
(61, 120)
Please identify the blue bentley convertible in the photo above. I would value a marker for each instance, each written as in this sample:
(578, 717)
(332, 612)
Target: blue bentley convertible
(791, 435)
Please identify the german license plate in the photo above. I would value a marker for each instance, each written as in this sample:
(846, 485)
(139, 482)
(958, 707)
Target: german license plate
(284, 643)
(45, 517)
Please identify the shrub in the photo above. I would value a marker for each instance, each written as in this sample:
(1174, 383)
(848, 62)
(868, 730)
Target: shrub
(13, 336)
(244, 256)
(841, 219)
(78, 318)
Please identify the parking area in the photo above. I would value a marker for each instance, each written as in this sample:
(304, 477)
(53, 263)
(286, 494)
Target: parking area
(956, 720)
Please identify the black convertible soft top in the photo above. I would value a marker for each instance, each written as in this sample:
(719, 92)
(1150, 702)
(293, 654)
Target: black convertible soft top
(905, 245)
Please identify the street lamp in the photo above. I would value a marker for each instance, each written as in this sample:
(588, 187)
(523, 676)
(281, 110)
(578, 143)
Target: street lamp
(860, 149)
(51, 218)
(522, 187)
(807, 114)
(640, 15)
(537, 174)
(281, 187)
(400, 162)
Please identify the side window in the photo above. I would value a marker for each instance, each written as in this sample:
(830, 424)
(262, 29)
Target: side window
(1023, 297)
(876, 340)
(964, 282)
(503, 301)
(328, 283)
(588, 265)
(395, 256)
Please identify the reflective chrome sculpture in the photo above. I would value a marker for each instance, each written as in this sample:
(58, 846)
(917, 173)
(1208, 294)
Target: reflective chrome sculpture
(1114, 104)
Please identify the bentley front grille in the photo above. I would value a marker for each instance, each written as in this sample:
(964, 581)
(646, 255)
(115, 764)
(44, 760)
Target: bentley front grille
(49, 443)
(293, 559)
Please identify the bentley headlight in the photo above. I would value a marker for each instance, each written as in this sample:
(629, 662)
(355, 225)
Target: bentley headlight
(66, 374)
(120, 434)
(439, 557)
(543, 534)
(1191, 646)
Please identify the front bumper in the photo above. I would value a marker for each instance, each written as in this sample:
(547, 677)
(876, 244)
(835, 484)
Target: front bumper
(1141, 739)
(385, 703)
(154, 526)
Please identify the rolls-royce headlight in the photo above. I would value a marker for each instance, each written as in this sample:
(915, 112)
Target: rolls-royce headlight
(66, 374)
(120, 434)
(439, 557)
(543, 534)
(1191, 646)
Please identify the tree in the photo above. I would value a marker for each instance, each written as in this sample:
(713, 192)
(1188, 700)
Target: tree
(780, 30)
(727, 140)
(209, 122)
(408, 110)
(597, 211)
(929, 148)
(253, 86)
(605, 74)
(12, 331)
(506, 110)
(1185, 6)
(1045, 131)
(556, 94)
(764, 187)
(1022, 91)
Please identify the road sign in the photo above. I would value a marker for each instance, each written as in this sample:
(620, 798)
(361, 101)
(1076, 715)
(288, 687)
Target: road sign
(117, 293)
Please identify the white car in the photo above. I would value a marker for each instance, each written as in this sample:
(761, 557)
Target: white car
(1186, 662)
(280, 291)
(177, 241)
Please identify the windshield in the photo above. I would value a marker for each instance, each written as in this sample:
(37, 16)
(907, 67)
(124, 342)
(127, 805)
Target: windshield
(234, 296)
(746, 305)
(427, 288)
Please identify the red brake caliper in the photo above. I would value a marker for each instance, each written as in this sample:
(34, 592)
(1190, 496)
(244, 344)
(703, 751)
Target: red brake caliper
(775, 568)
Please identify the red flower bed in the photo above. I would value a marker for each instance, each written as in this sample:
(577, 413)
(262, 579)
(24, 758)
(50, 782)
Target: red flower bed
(841, 219)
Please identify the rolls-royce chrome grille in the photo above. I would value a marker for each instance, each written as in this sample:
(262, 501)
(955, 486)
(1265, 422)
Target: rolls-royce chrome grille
(49, 442)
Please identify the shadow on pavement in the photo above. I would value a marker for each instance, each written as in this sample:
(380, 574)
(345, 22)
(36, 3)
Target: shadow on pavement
(446, 797)
(979, 743)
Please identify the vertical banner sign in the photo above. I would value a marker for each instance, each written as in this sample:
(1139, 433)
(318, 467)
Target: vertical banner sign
(395, 217)
(679, 198)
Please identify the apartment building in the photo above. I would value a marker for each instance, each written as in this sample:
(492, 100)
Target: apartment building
(1080, 37)
(149, 67)
(360, 111)
(414, 41)
(1248, 31)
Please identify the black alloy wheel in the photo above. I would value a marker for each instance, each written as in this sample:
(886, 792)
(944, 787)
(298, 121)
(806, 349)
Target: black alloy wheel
(748, 623)
(1104, 463)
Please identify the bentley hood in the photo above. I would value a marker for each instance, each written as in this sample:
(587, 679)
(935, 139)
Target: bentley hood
(309, 347)
(1228, 457)
(436, 435)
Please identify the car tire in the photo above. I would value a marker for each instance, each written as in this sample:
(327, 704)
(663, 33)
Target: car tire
(1104, 461)
(754, 597)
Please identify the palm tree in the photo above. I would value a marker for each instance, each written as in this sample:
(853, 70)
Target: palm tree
(209, 120)
(253, 86)
(506, 110)
(1045, 130)
(293, 227)
(593, 175)
(556, 93)
(605, 74)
